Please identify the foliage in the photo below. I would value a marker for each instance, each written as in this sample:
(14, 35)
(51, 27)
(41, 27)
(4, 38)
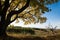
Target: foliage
(35, 10)
(30, 14)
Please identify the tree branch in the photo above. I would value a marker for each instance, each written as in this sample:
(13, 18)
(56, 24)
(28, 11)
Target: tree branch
(0, 7)
(4, 10)
(6, 6)
(16, 12)
(23, 8)
(0, 4)
(17, 5)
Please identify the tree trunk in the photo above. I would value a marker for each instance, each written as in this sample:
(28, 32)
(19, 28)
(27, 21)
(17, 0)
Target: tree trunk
(3, 30)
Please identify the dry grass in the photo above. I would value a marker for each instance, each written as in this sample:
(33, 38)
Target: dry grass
(39, 35)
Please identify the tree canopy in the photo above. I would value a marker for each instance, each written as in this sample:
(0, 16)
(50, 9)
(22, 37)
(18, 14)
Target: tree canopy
(32, 13)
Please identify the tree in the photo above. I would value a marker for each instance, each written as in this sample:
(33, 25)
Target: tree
(27, 10)
(52, 28)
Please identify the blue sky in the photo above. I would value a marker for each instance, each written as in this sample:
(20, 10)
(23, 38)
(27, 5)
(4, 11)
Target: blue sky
(53, 17)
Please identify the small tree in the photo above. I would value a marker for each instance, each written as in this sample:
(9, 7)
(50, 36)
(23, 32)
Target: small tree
(52, 28)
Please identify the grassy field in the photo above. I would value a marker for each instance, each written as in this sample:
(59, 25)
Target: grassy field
(21, 33)
(33, 33)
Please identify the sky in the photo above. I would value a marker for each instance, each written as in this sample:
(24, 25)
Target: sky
(53, 18)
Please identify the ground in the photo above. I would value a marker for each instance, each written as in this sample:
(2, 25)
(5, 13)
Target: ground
(40, 34)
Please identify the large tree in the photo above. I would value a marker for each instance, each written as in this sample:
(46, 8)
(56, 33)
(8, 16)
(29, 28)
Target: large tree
(29, 11)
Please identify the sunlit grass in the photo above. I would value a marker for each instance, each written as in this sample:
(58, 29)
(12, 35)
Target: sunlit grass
(38, 33)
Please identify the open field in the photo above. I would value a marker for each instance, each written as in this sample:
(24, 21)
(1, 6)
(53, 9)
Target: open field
(34, 34)
(19, 33)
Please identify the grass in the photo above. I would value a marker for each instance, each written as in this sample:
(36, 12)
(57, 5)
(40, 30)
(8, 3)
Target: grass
(19, 33)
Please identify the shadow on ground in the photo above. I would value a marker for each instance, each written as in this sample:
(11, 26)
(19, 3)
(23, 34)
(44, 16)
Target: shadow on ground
(56, 37)
(12, 38)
